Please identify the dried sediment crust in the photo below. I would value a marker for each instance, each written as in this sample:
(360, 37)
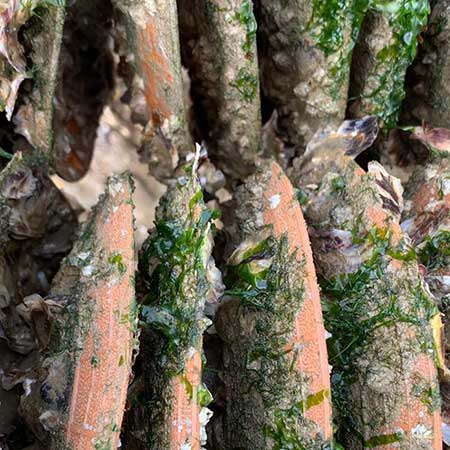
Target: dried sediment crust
(304, 51)
(275, 371)
(79, 397)
(168, 401)
(153, 38)
(377, 308)
(429, 93)
(219, 48)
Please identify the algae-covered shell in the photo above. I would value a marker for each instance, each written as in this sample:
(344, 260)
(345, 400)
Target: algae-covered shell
(275, 359)
(219, 48)
(167, 398)
(79, 398)
(305, 67)
(380, 315)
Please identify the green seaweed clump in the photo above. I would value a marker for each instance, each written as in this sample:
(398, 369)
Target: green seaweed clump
(407, 19)
(333, 19)
(246, 17)
(177, 254)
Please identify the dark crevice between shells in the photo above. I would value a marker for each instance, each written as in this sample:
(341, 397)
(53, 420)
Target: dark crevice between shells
(84, 85)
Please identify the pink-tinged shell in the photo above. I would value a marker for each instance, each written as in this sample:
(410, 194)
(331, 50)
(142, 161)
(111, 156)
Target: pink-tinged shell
(185, 414)
(99, 390)
(287, 218)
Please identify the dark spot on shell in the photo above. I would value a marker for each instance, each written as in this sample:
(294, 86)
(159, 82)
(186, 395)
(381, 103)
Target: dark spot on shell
(390, 205)
(46, 392)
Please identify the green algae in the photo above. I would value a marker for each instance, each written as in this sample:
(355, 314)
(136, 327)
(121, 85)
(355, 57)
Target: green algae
(348, 306)
(407, 19)
(117, 261)
(435, 253)
(330, 22)
(103, 445)
(246, 84)
(95, 361)
(275, 295)
(428, 395)
(4, 153)
(383, 439)
(353, 321)
(332, 19)
(173, 274)
(246, 17)
(314, 400)
(338, 183)
(204, 396)
(285, 433)
(302, 196)
(178, 245)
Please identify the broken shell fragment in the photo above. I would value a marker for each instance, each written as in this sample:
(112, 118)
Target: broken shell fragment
(354, 136)
(79, 398)
(428, 190)
(380, 314)
(275, 360)
(219, 49)
(167, 398)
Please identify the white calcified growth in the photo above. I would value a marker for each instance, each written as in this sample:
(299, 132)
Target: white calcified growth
(446, 433)
(115, 185)
(445, 186)
(84, 255)
(421, 431)
(205, 416)
(274, 201)
(27, 386)
(88, 271)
